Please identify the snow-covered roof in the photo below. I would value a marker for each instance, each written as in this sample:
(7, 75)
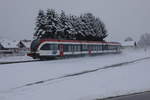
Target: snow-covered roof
(9, 43)
(26, 43)
(127, 43)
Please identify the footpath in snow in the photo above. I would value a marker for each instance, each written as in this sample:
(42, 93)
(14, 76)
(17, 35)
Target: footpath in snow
(99, 84)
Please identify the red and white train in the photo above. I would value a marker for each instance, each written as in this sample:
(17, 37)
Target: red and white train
(48, 48)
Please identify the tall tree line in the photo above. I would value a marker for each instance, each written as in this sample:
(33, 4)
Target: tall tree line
(50, 24)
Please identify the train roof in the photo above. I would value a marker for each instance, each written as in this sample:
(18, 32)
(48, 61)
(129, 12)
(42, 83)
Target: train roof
(78, 41)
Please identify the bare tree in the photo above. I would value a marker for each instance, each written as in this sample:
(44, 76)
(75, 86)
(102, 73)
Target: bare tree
(144, 40)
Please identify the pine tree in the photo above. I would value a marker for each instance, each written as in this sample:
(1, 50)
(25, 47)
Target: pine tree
(60, 26)
(67, 29)
(51, 24)
(63, 24)
(40, 24)
(72, 20)
(103, 30)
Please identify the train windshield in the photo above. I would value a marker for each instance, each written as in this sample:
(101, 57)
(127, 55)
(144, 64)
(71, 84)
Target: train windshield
(49, 47)
(34, 45)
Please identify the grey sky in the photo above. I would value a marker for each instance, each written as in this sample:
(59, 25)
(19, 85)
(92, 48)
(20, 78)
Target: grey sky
(123, 18)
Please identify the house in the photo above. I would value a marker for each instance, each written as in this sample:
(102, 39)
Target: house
(24, 44)
(8, 46)
(128, 44)
(1, 47)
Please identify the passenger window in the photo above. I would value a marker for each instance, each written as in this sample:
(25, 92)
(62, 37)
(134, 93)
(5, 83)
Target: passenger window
(65, 48)
(54, 46)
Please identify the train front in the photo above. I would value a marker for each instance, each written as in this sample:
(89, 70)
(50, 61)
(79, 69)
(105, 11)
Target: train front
(33, 49)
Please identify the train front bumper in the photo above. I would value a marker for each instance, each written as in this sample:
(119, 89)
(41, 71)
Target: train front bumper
(33, 55)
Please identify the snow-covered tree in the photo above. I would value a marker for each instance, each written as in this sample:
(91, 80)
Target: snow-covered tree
(40, 24)
(62, 26)
(103, 33)
(95, 28)
(51, 24)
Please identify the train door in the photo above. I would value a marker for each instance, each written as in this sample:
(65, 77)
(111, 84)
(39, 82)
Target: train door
(61, 49)
(90, 49)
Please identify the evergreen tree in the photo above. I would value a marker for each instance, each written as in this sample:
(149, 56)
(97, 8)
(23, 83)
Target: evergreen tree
(60, 26)
(63, 25)
(67, 29)
(103, 30)
(72, 20)
(40, 24)
(51, 24)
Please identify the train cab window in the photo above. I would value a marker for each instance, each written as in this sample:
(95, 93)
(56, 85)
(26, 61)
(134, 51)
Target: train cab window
(45, 47)
(49, 47)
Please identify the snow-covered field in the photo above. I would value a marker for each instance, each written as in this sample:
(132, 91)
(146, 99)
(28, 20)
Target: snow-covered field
(14, 58)
(44, 81)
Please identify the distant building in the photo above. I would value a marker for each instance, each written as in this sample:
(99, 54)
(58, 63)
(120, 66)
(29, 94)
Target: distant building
(128, 39)
(1, 47)
(8, 46)
(128, 44)
(24, 44)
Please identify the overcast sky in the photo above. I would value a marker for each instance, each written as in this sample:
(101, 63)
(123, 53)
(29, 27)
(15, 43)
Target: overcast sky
(123, 18)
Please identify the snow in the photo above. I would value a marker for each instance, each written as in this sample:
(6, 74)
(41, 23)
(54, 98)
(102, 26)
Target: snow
(9, 43)
(128, 43)
(14, 58)
(99, 84)
(27, 43)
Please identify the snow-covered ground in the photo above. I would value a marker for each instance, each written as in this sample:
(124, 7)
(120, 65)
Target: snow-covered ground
(20, 81)
(14, 58)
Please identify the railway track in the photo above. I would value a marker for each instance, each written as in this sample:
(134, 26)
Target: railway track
(14, 62)
(26, 61)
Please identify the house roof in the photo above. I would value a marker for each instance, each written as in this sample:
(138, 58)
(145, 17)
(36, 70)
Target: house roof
(128, 43)
(9, 43)
(26, 43)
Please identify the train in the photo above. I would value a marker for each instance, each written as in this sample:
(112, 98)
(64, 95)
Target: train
(51, 48)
